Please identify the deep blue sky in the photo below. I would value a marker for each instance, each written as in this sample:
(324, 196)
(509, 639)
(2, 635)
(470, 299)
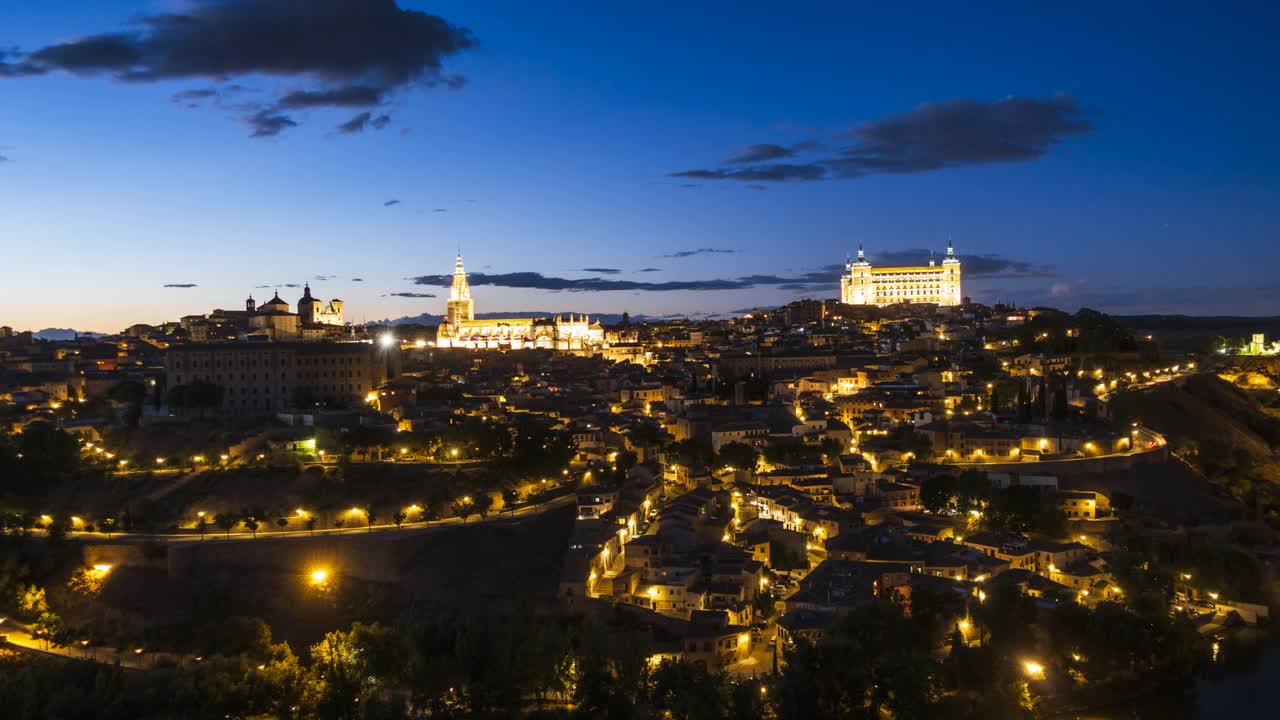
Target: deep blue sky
(556, 156)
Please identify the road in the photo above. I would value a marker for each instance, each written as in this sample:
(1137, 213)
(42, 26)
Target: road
(242, 535)
(18, 637)
(1144, 442)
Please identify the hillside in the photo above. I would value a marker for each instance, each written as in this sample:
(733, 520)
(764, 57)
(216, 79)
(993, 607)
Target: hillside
(1217, 427)
(1184, 333)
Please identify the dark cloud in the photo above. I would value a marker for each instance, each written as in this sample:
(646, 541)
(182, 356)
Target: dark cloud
(933, 136)
(763, 152)
(292, 285)
(349, 53)
(345, 96)
(364, 120)
(974, 266)
(266, 123)
(441, 210)
(689, 185)
(219, 95)
(3, 159)
(323, 278)
(649, 270)
(757, 187)
(357, 279)
(189, 96)
(389, 203)
(355, 124)
(768, 152)
(760, 173)
(822, 279)
(538, 281)
(411, 295)
(602, 271)
(699, 251)
(180, 285)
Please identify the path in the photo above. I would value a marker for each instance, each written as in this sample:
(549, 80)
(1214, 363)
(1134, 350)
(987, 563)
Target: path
(240, 534)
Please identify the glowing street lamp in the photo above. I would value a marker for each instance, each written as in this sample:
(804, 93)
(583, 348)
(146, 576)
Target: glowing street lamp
(1033, 669)
(319, 576)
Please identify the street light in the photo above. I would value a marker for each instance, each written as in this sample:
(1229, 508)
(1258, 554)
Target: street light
(319, 576)
(1033, 669)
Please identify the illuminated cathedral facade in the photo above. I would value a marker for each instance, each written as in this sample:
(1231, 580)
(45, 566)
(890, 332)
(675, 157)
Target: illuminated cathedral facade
(461, 329)
(937, 284)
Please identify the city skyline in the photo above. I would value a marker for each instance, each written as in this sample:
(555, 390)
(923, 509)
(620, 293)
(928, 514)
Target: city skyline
(621, 162)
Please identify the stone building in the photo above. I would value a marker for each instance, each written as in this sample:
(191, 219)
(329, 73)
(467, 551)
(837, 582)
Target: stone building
(264, 378)
(461, 329)
(936, 284)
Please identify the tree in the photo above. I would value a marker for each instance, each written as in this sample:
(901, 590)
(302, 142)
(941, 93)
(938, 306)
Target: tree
(682, 690)
(510, 496)
(226, 522)
(130, 393)
(311, 524)
(107, 523)
(42, 456)
(937, 493)
(31, 601)
(1024, 404)
(198, 395)
(483, 504)
(369, 517)
(1042, 401)
(398, 518)
(46, 627)
(1059, 411)
(347, 667)
(251, 524)
(737, 455)
(282, 523)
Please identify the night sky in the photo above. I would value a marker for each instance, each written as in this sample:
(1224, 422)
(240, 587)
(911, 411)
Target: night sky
(653, 157)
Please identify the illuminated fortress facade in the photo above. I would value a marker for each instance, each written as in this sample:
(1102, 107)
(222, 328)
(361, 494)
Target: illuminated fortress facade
(461, 329)
(938, 284)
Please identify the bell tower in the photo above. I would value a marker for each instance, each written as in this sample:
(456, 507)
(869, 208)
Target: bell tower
(460, 306)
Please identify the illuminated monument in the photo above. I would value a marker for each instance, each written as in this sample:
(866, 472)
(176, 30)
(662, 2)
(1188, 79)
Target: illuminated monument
(862, 284)
(461, 329)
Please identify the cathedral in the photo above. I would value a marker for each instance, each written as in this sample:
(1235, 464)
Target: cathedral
(272, 320)
(936, 284)
(461, 329)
